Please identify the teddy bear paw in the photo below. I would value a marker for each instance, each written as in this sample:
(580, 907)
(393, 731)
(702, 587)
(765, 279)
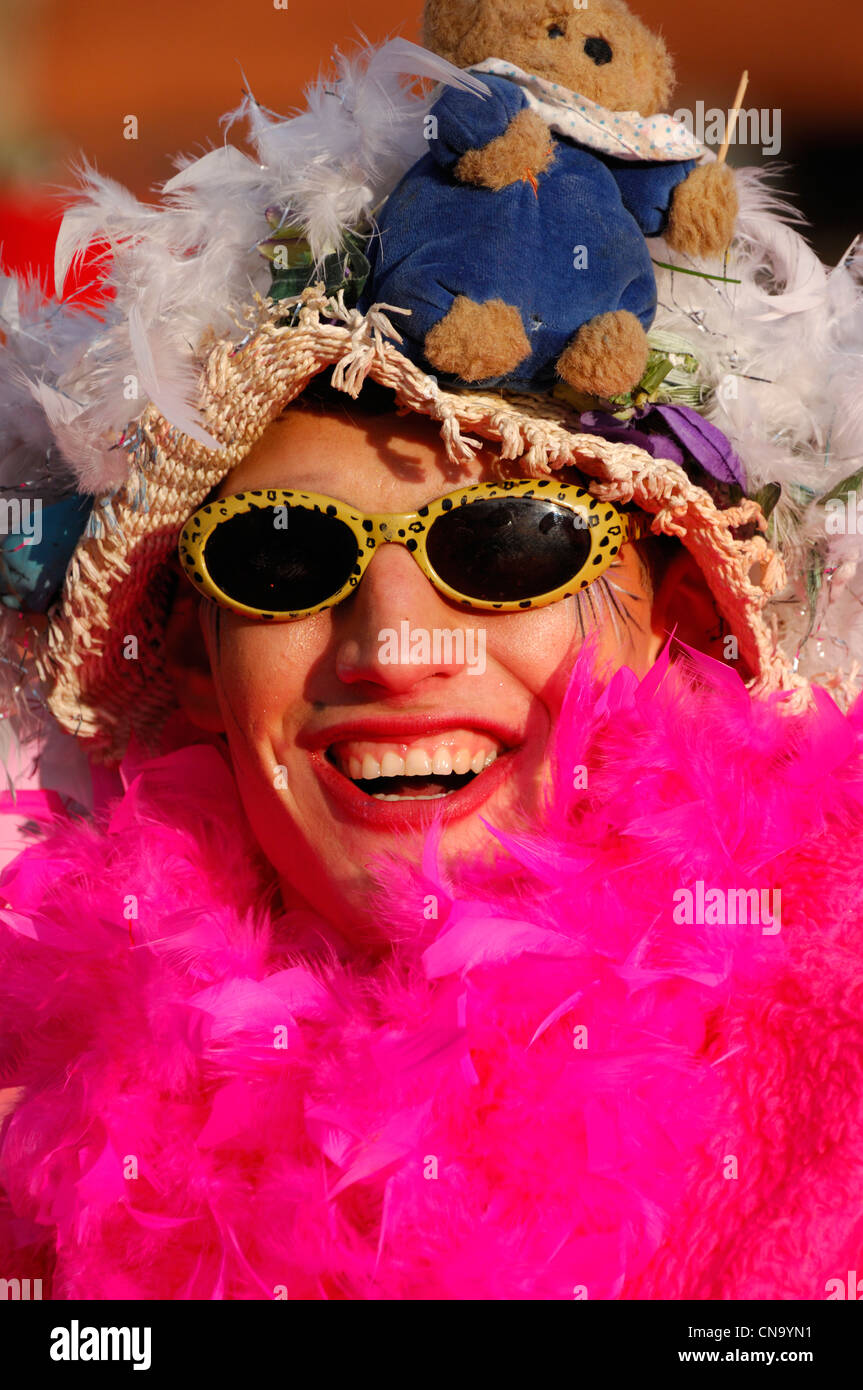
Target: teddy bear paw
(703, 212)
(524, 151)
(607, 356)
(478, 341)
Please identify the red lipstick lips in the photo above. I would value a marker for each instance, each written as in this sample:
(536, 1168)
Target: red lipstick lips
(410, 812)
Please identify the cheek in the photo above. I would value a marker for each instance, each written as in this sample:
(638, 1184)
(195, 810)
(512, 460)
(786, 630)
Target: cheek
(537, 647)
(260, 674)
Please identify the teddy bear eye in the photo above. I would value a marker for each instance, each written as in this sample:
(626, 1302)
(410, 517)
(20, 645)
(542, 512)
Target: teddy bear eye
(555, 31)
(599, 51)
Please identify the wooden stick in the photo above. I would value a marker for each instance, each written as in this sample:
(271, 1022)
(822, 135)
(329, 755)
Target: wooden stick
(732, 123)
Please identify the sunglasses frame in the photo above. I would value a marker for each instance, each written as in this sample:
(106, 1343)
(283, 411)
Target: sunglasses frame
(609, 529)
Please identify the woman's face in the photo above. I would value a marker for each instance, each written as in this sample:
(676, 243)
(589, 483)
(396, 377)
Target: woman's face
(340, 752)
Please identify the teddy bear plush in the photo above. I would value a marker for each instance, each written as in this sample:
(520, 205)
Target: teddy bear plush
(520, 249)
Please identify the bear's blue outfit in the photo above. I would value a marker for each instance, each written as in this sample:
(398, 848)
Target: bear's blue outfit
(440, 238)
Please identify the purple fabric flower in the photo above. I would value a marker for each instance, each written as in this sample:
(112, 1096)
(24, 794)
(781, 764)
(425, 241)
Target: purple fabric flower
(680, 426)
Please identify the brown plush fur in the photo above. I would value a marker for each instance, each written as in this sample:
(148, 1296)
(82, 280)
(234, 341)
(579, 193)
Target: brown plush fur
(525, 147)
(703, 212)
(547, 37)
(640, 76)
(607, 356)
(478, 341)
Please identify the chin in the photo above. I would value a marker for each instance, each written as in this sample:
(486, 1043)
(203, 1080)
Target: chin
(333, 864)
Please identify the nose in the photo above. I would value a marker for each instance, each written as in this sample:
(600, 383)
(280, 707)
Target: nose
(385, 632)
(599, 50)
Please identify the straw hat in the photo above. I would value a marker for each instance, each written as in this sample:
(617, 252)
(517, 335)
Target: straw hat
(118, 585)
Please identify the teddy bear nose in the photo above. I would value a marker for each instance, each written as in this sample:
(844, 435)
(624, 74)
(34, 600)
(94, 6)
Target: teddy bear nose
(599, 51)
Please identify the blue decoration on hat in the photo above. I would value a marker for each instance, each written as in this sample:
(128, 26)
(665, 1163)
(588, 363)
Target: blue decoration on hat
(33, 561)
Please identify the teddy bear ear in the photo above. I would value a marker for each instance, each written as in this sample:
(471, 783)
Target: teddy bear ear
(446, 23)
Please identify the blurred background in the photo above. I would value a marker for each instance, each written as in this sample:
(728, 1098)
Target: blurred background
(72, 73)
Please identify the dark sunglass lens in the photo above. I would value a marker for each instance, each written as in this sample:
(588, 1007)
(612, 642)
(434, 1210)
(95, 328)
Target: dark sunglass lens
(509, 548)
(279, 559)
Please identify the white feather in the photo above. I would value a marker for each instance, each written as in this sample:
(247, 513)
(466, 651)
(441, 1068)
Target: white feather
(224, 162)
(409, 59)
(105, 210)
(788, 341)
(59, 409)
(168, 397)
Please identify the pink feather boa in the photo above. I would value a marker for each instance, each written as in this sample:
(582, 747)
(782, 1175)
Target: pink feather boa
(434, 1126)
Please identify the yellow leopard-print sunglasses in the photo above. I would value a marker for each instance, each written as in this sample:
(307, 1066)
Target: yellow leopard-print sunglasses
(280, 555)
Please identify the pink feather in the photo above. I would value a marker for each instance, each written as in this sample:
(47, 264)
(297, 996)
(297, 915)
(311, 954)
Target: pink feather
(433, 1130)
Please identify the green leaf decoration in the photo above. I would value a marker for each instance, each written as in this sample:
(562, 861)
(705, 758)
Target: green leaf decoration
(660, 364)
(701, 274)
(657, 369)
(814, 581)
(767, 497)
(849, 484)
(293, 266)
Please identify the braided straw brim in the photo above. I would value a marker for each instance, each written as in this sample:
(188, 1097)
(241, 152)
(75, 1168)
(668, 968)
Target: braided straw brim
(104, 687)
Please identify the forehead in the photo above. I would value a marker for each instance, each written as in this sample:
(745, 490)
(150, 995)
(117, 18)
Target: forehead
(375, 462)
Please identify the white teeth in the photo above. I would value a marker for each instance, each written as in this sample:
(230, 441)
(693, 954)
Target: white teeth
(418, 763)
(441, 762)
(382, 795)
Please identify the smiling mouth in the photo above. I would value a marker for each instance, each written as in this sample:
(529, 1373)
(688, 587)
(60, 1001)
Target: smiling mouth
(429, 768)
